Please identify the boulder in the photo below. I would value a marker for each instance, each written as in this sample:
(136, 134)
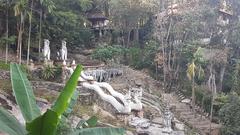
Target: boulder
(139, 122)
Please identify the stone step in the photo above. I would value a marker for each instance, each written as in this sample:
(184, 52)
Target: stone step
(187, 117)
(206, 126)
(199, 123)
(187, 113)
(183, 108)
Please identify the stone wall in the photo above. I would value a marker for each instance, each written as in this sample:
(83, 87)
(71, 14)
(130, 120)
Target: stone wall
(54, 86)
(85, 97)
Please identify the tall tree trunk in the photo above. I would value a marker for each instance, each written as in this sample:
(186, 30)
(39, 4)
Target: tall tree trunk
(6, 57)
(128, 38)
(193, 92)
(20, 33)
(222, 76)
(29, 33)
(136, 34)
(20, 41)
(40, 36)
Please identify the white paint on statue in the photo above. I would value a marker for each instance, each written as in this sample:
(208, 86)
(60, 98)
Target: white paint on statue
(167, 119)
(64, 50)
(126, 104)
(46, 49)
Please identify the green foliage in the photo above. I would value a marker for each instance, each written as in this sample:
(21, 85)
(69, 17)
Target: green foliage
(45, 124)
(48, 72)
(67, 22)
(198, 56)
(135, 57)
(64, 127)
(64, 98)
(143, 58)
(221, 98)
(24, 94)
(4, 66)
(91, 122)
(9, 124)
(106, 53)
(236, 78)
(203, 98)
(9, 40)
(230, 116)
(72, 103)
(37, 124)
(100, 131)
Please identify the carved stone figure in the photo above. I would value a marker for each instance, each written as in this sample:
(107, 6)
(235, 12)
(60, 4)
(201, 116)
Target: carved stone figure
(46, 49)
(126, 104)
(58, 55)
(64, 50)
(168, 120)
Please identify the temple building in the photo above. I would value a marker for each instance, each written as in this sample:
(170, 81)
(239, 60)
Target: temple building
(98, 22)
(225, 13)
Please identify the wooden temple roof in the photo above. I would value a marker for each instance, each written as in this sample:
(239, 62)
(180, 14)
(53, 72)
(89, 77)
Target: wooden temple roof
(96, 16)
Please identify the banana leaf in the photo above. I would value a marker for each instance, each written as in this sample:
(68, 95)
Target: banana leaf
(44, 125)
(64, 99)
(23, 93)
(47, 123)
(9, 124)
(91, 122)
(72, 103)
(99, 131)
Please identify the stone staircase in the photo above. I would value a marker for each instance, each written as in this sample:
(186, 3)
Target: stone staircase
(183, 111)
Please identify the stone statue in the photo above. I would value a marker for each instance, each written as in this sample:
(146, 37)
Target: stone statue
(167, 119)
(46, 49)
(64, 51)
(58, 55)
(124, 106)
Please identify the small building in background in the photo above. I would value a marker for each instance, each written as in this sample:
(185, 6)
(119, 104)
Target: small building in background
(98, 22)
(225, 13)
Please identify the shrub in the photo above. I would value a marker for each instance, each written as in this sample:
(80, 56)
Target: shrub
(4, 66)
(135, 57)
(48, 72)
(106, 53)
(143, 58)
(230, 116)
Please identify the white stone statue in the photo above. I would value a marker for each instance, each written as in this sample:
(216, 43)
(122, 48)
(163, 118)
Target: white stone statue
(168, 116)
(64, 50)
(126, 104)
(46, 49)
(136, 94)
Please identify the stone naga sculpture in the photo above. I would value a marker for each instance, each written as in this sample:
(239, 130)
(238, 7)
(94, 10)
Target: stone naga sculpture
(98, 74)
(125, 106)
(64, 50)
(46, 49)
(104, 75)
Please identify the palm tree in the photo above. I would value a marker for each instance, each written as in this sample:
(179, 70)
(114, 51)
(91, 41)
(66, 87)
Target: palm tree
(49, 5)
(6, 59)
(191, 74)
(193, 69)
(20, 9)
(29, 32)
